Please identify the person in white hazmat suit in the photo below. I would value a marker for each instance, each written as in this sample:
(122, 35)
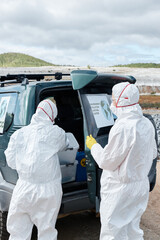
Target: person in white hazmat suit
(126, 161)
(36, 198)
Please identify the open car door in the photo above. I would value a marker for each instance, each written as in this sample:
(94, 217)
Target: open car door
(95, 91)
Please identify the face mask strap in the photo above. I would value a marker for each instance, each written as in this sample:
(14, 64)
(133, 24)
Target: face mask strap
(127, 105)
(126, 98)
(51, 110)
(45, 113)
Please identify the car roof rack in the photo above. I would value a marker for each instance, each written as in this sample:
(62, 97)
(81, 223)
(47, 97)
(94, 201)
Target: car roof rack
(24, 78)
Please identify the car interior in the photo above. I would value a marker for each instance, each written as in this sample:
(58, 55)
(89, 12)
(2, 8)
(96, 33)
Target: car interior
(70, 119)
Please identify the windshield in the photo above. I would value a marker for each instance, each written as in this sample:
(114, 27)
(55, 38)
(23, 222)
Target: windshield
(7, 108)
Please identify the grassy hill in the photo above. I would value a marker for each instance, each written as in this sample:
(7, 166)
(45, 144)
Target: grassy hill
(140, 65)
(21, 60)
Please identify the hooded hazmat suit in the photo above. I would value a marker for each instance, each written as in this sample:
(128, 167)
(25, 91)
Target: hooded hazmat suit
(126, 161)
(36, 198)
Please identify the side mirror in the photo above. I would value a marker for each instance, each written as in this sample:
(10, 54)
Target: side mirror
(8, 121)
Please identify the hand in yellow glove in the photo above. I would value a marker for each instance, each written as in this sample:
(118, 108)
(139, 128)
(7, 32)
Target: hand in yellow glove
(90, 141)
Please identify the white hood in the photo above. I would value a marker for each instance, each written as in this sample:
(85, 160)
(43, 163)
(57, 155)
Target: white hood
(46, 112)
(127, 97)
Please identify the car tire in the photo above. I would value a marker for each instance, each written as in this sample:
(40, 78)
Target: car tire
(152, 184)
(152, 173)
(4, 235)
(34, 233)
(153, 122)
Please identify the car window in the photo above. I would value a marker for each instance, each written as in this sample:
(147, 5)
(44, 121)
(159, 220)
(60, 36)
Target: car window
(7, 108)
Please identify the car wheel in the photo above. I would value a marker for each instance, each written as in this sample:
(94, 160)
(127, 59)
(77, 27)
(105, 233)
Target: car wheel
(4, 235)
(152, 184)
(34, 233)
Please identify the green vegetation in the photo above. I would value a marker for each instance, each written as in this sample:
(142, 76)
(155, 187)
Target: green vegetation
(21, 60)
(140, 65)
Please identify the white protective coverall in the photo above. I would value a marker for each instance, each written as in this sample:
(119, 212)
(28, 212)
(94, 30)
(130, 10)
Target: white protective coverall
(36, 198)
(126, 161)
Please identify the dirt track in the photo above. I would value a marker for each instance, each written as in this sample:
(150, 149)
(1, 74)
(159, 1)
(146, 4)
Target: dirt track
(85, 226)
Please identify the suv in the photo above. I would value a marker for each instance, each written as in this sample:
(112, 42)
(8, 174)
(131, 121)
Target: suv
(78, 101)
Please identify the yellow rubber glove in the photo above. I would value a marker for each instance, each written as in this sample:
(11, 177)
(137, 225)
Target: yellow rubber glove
(90, 141)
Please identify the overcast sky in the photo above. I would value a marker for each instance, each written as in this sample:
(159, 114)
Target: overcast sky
(82, 32)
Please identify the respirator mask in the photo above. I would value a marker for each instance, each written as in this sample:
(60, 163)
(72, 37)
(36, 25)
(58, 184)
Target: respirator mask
(113, 109)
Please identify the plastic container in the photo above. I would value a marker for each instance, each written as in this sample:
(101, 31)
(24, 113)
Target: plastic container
(81, 174)
(69, 155)
(69, 172)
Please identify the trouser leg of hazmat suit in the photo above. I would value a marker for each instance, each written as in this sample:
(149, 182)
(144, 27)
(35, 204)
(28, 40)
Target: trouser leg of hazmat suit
(46, 220)
(20, 225)
(122, 205)
(39, 205)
